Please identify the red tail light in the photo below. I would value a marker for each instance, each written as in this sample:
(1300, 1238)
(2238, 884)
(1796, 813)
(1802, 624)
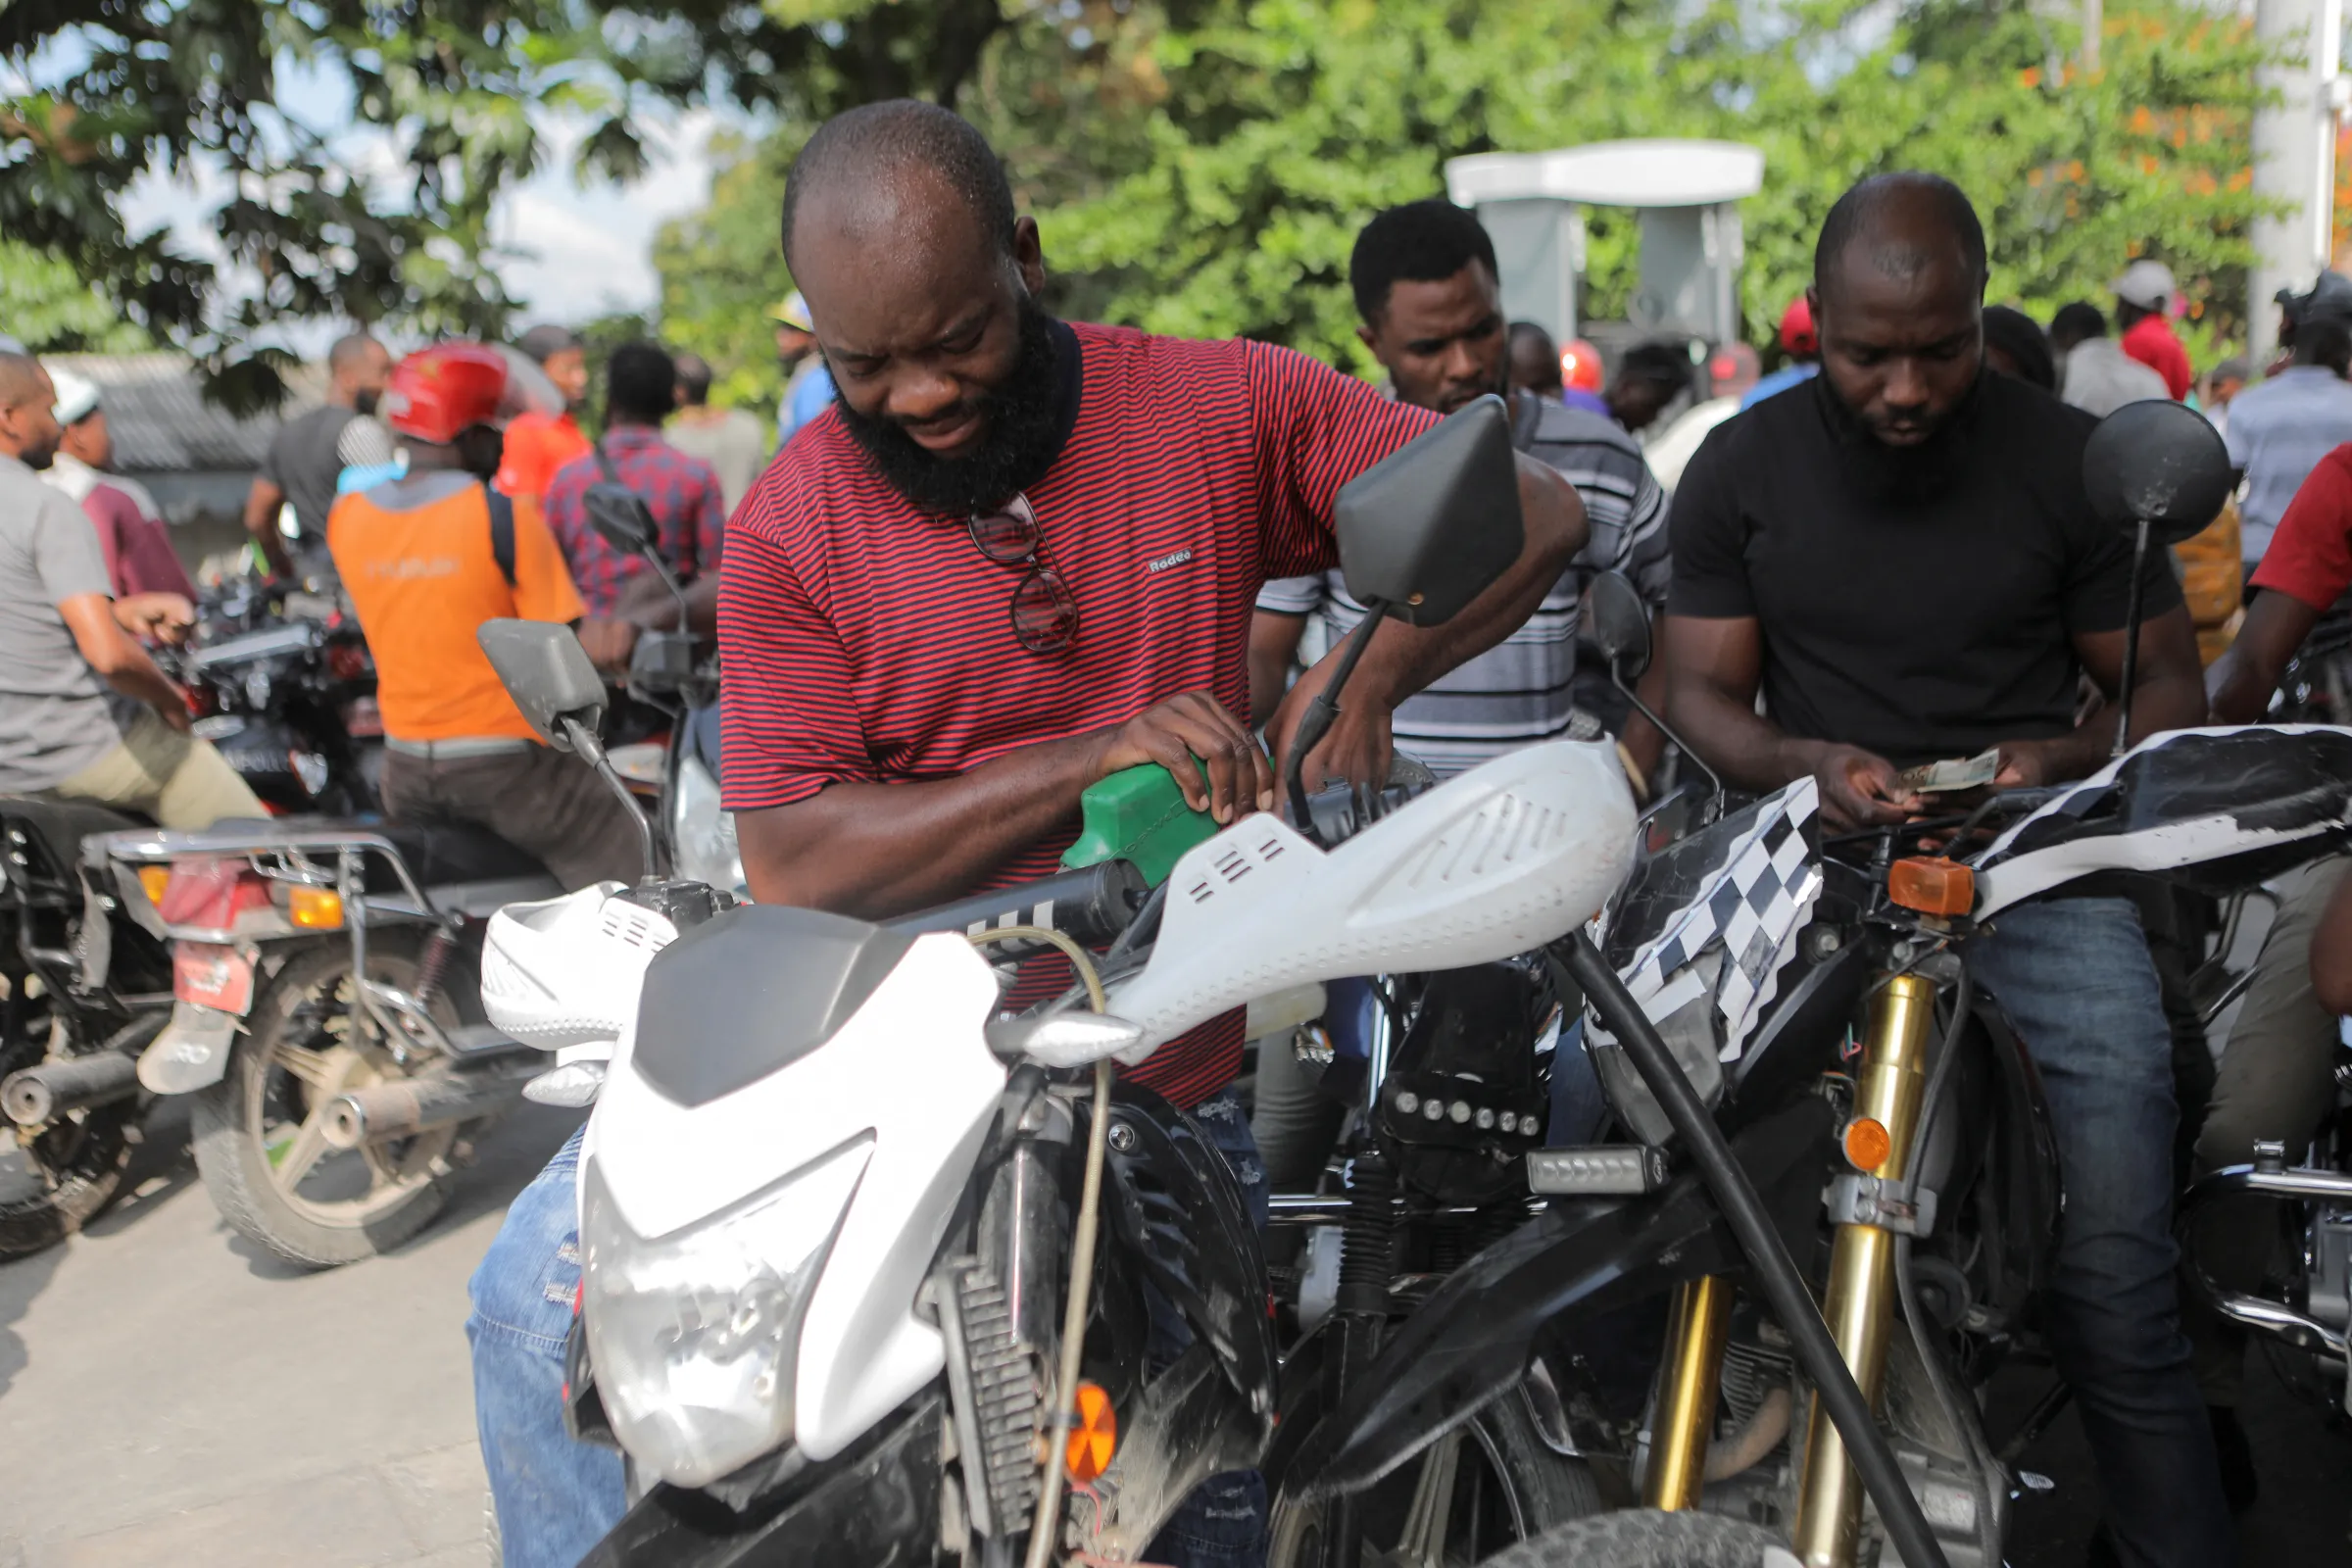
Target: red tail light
(348, 661)
(210, 895)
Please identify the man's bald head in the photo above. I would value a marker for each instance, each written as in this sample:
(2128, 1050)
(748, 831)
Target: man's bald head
(1898, 227)
(28, 429)
(860, 165)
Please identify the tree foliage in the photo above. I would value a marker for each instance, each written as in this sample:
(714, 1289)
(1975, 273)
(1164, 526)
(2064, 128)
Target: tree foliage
(456, 88)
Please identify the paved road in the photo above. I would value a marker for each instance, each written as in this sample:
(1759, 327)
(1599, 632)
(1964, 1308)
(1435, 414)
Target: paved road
(170, 1395)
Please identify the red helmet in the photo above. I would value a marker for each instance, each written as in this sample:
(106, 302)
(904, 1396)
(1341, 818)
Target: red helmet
(1798, 334)
(438, 392)
(1580, 365)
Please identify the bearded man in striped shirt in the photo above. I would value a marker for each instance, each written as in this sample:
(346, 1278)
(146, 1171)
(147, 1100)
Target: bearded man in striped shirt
(1016, 555)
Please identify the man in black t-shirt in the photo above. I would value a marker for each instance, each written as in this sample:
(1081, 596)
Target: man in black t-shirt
(309, 454)
(1901, 557)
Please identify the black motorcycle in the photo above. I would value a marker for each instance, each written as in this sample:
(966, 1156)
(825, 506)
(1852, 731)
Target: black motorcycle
(282, 685)
(84, 989)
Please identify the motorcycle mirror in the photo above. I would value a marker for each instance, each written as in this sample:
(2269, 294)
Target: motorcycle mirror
(2158, 470)
(1620, 625)
(2159, 462)
(618, 518)
(1424, 530)
(547, 672)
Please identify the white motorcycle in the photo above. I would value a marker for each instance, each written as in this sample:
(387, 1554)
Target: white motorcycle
(869, 1266)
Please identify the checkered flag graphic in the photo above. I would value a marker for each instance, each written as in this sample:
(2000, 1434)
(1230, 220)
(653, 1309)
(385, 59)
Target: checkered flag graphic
(1750, 913)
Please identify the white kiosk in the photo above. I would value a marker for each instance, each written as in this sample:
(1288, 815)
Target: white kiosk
(1532, 204)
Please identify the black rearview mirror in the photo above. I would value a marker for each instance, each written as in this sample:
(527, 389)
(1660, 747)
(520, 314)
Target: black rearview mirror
(1619, 623)
(618, 517)
(1428, 527)
(2159, 462)
(547, 672)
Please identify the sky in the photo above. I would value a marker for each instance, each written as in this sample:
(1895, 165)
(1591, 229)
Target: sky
(588, 247)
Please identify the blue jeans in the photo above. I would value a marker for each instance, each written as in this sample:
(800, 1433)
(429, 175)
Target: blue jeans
(556, 1499)
(2074, 977)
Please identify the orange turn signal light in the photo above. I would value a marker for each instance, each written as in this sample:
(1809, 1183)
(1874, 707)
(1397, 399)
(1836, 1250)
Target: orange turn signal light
(153, 879)
(1867, 1143)
(1932, 884)
(316, 909)
(1094, 1433)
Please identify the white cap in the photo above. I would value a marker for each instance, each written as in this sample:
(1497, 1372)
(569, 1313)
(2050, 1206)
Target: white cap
(77, 395)
(2146, 284)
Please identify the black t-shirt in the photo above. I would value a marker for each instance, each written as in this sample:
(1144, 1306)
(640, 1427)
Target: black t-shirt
(309, 454)
(1918, 605)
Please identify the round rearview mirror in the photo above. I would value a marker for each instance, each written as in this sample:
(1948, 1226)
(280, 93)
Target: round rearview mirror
(1618, 622)
(2159, 462)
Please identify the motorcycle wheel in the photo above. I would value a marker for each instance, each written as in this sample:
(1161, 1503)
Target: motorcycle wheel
(52, 1187)
(259, 1131)
(1489, 1483)
(1645, 1538)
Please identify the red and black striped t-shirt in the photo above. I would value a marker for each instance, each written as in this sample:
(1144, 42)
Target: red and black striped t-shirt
(866, 640)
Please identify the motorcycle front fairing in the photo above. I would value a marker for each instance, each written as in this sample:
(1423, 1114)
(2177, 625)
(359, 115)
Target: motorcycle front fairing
(768, 1042)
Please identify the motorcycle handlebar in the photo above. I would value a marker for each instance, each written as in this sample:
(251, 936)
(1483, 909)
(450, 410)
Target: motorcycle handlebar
(1091, 906)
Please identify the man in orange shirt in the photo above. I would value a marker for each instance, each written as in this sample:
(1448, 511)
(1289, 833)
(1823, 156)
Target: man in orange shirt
(539, 444)
(426, 559)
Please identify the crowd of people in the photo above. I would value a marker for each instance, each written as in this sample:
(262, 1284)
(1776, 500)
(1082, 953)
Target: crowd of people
(998, 557)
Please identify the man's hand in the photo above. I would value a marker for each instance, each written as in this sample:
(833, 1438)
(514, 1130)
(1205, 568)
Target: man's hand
(1858, 789)
(162, 617)
(609, 644)
(2024, 765)
(1194, 725)
(1358, 746)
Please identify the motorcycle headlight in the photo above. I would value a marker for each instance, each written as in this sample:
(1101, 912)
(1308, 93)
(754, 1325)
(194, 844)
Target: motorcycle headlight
(695, 1335)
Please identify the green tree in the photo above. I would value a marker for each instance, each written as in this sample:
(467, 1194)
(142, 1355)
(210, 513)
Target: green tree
(45, 307)
(112, 91)
(1289, 121)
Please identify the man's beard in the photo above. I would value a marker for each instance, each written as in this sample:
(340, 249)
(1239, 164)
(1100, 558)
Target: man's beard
(365, 400)
(1020, 427)
(1899, 474)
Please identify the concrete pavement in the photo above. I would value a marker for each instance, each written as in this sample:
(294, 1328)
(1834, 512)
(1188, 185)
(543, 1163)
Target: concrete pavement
(171, 1395)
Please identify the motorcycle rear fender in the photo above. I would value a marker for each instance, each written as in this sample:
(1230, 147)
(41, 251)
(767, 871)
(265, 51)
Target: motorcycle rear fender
(1477, 1335)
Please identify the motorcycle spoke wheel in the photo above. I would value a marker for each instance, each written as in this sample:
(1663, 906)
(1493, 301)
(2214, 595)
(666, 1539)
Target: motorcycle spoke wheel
(259, 1132)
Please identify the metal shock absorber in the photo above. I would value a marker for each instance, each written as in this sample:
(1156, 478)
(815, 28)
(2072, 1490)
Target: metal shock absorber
(1368, 1264)
(1684, 1421)
(430, 968)
(1859, 1306)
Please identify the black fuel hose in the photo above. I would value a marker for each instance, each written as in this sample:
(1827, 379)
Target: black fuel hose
(1776, 1272)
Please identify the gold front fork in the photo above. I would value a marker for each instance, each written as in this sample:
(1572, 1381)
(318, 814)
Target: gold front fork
(1860, 1305)
(1686, 1417)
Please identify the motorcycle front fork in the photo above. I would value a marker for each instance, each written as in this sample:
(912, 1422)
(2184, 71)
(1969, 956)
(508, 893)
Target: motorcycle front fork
(1891, 1079)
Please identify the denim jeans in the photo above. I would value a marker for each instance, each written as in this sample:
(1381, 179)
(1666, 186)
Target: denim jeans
(556, 1499)
(2074, 977)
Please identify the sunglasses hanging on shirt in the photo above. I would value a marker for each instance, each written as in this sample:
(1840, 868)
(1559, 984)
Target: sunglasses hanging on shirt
(1044, 613)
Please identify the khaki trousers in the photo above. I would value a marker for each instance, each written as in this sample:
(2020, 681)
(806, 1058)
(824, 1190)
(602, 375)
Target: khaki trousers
(178, 780)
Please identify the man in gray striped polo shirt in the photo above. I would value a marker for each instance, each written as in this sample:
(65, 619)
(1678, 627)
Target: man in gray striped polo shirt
(1426, 288)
